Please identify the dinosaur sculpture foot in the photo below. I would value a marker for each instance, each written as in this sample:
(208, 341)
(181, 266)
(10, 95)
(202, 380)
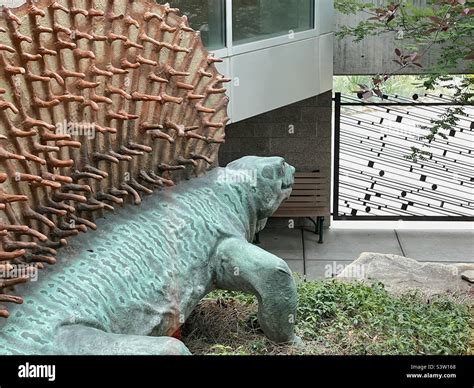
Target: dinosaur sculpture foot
(248, 268)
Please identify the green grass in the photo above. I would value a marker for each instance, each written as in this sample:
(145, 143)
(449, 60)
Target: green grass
(335, 318)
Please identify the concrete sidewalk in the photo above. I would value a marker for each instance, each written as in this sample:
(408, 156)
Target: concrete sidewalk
(342, 246)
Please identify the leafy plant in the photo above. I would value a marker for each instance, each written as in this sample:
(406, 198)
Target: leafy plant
(363, 319)
(335, 317)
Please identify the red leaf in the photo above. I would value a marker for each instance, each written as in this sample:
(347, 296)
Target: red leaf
(398, 52)
(367, 94)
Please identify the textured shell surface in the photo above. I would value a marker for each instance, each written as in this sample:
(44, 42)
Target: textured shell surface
(101, 102)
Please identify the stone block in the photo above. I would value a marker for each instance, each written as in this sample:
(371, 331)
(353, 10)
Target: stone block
(401, 274)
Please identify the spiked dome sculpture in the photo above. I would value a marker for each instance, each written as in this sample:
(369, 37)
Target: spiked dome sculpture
(130, 71)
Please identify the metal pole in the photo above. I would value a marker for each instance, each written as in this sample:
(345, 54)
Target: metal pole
(337, 139)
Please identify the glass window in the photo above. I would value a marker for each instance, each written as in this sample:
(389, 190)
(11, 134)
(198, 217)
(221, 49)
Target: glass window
(206, 16)
(261, 19)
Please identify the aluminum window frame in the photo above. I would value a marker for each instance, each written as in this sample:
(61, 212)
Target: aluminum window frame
(232, 49)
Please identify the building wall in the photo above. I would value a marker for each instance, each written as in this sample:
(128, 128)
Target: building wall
(272, 77)
(300, 132)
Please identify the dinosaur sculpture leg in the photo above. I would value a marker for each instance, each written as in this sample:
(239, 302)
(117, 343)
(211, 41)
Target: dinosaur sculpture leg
(245, 267)
(84, 340)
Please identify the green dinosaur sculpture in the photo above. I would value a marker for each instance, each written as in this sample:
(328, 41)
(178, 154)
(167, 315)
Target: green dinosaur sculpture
(127, 288)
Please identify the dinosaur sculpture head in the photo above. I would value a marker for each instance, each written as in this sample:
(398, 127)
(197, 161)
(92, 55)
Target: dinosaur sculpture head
(271, 179)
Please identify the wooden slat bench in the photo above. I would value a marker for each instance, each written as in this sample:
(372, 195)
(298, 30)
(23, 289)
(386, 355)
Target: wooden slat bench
(309, 199)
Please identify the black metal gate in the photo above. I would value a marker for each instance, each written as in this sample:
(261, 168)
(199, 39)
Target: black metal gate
(373, 179)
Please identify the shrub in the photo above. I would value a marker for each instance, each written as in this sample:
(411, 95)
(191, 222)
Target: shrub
(336, 317)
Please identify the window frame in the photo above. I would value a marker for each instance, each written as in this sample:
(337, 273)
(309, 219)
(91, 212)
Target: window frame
(232, 49)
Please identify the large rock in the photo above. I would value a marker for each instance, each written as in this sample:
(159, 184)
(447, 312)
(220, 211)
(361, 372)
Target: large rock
(401, 274)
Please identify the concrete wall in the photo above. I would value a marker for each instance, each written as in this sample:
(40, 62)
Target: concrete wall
(372, 55)
(300, 132)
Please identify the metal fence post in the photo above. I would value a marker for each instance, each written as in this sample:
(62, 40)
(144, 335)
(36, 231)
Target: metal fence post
(337, 139)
